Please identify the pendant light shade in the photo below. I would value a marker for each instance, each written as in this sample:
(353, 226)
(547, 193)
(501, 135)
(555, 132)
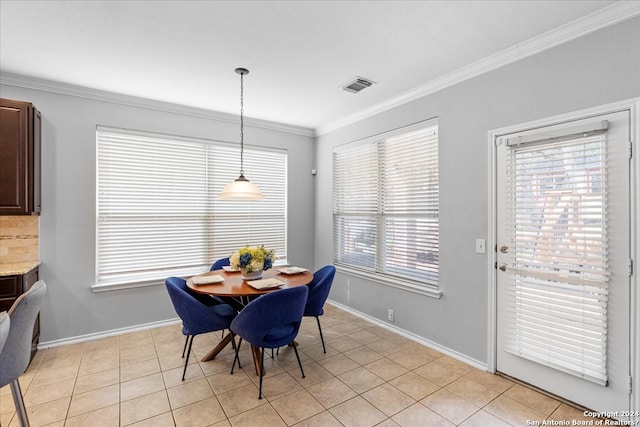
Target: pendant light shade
(241, 188)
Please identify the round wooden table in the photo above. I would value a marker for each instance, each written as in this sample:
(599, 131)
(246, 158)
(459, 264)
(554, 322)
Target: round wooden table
(235, 286)
(236, 292)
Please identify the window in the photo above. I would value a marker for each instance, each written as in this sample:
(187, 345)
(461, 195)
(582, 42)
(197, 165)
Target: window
(157, 208)
(385, 206)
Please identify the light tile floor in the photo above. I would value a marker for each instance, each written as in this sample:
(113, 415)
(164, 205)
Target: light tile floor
(368, 377)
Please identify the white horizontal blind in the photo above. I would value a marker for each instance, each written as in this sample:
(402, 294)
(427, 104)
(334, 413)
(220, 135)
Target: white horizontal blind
(410, 193)
(355, 205)
(157, 207)
(386, 205)
(262, 222)
(558, 287)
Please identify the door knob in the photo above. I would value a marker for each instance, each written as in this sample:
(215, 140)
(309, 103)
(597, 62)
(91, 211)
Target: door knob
(503, 267)
(504, 249)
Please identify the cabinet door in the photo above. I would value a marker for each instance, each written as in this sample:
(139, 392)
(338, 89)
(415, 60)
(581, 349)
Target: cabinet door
(13, 157)
(10, 288)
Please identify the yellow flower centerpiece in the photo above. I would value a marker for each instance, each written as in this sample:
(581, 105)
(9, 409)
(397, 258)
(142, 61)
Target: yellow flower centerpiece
(252, 261)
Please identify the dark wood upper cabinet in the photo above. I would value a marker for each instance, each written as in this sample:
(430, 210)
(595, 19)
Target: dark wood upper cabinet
(20, 137)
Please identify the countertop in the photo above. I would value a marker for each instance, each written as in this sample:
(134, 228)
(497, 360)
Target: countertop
(16, 268)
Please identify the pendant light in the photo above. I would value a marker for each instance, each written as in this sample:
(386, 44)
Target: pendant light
(241, 188)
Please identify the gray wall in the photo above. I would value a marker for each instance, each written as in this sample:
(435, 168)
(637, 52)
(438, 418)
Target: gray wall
(67, 223)
(596, 69)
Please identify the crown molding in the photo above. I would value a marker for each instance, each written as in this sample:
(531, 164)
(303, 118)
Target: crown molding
(18, 80)
(610, 15)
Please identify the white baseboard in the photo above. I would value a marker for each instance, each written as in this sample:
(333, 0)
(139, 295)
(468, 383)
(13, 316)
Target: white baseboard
(106, 334)
(420, 340)
(427, 343)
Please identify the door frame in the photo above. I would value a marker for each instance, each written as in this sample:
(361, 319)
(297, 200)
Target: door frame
(633, 105)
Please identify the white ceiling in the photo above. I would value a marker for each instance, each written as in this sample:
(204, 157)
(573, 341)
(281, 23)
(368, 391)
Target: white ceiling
(299, 53)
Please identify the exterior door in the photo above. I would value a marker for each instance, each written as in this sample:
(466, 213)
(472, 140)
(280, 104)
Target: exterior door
(563, 259)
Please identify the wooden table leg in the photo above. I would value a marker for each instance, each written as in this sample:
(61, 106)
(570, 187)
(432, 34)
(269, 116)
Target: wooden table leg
(217, 349)
(255, 352)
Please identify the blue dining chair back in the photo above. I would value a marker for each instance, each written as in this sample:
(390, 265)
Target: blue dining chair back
(16, 354)
(271, 321)
(207, 300)
(318, 293)
(197, 318)
(222, 262)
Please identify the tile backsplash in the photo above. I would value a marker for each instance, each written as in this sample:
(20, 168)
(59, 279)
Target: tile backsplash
(19, 238)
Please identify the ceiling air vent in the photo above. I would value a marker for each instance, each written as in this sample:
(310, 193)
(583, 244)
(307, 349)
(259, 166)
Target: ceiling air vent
(356, 84)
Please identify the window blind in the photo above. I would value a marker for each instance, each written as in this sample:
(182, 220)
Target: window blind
(558, 284)
(385, 205)
(157, 207)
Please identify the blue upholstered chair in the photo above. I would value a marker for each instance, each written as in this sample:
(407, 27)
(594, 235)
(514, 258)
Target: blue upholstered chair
(197, 318)
(16, 354)
(207, 300)
(318, 293)
(271, 321)
(222, 262)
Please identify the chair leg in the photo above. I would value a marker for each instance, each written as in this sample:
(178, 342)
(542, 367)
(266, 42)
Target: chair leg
(261, 372)
(321, 338)
(184, 349)
(295, 348)
(236, 356)
(186, 362)
(19, 403)
(233, 344)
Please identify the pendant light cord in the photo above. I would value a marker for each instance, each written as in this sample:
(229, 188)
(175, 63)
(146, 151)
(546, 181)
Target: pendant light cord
(241, 188)
(242, 124)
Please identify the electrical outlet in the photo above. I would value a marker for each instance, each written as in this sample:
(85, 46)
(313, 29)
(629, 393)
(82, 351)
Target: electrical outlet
(390, 315)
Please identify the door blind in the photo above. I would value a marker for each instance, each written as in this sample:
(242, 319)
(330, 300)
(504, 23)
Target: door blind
(558, 267)
(157, 208)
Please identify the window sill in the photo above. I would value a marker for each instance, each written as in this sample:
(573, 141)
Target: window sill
(393, 282)
(104, 287)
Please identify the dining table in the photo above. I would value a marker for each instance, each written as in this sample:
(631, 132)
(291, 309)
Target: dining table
(233, 289)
